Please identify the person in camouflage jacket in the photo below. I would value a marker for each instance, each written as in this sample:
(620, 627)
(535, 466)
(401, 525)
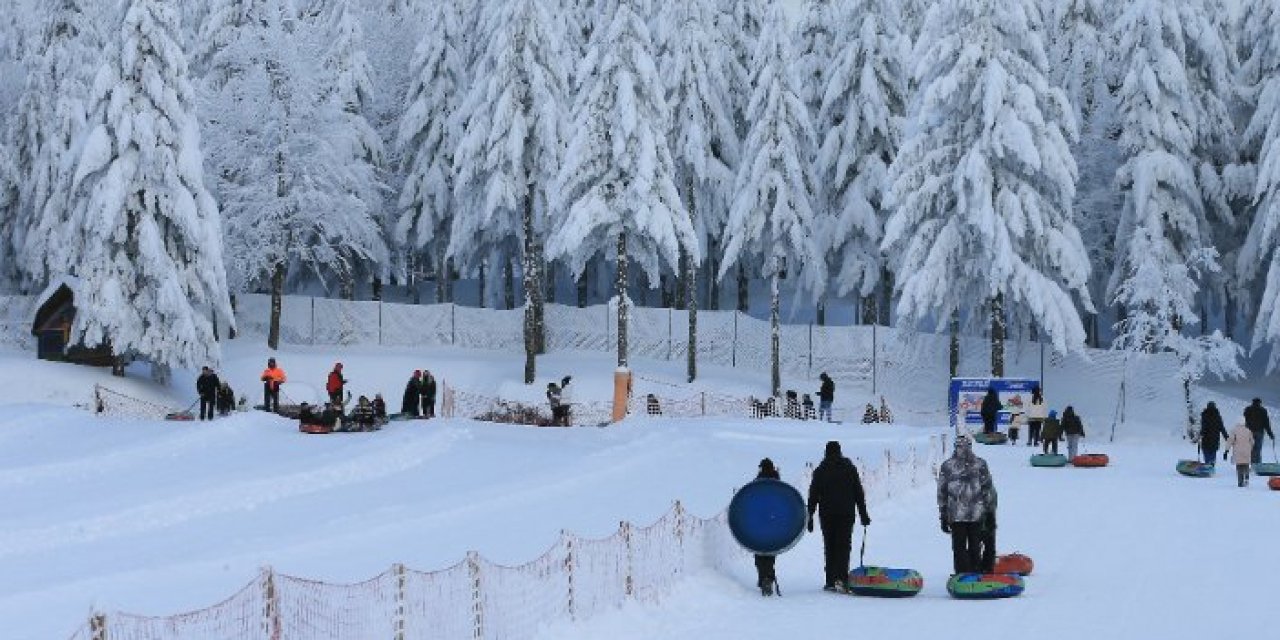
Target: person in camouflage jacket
(966, 495)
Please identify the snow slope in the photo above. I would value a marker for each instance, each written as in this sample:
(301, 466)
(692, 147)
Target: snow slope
(158, 518)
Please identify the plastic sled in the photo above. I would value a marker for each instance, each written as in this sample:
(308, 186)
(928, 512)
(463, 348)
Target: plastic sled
(767, 517)
(1266, 468)
(1274, 483)
(1091, 460)
(1048, 460)
(883, 582)
(315, 428)
(994, 437)
(180, 416)
(1194, 469)
(1015, 563)
(985, 586)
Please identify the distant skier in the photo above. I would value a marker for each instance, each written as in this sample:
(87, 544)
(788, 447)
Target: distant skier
(1036, 413)
(826, 396)
(766, 578)
(1074, 430)
(412, 391)
(990, 410)
(272, 377)
(966, 495)
(836, 494)
(335, 384)
(1256, 418)
(207, 384)
(428, 391)
(1241, 444)
(1212, 432)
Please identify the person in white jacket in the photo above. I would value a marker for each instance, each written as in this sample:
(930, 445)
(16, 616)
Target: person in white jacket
(1037, 411)
(1241, 444)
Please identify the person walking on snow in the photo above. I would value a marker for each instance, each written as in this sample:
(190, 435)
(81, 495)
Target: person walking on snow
(428, 391)
(1036, 413)
(335, 384)
(1051, 432)
(826, 396)
(990, 410)
(272, 377)
(966, 495)
(409, 404)
(766, 578)
(1074, 430)
(226, 399)
(1256, 418)
(207, 385)
(836, 494)
(1212, 432)
(1241, 444)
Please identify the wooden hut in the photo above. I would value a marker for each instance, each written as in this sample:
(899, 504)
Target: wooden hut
(54, 318)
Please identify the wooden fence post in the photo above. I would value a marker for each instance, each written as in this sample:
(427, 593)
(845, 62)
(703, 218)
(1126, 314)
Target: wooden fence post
(477, 596)
(568, 570)
(401, 599)
(624, 530)
(271, 605)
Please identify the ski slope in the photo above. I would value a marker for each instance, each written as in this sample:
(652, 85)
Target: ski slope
(159, 518)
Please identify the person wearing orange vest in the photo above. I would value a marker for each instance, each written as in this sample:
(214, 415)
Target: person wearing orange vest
(272, 378)
(336, 384)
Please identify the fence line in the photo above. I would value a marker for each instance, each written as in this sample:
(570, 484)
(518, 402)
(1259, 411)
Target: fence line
(573, 580)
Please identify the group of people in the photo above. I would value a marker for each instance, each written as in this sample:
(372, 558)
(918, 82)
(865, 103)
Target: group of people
(967, 504)
(419, 400)
(560, 400)
(1244, 443)
(215, 394)
(1044, 428)
(871, 416)
(366, 415)
(798, 406)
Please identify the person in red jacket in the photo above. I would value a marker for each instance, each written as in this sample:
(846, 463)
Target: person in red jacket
(335, 384)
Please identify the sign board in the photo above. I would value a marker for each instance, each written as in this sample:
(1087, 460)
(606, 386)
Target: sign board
(964, 400)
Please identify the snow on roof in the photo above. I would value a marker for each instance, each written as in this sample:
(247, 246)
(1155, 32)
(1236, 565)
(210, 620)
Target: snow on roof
(71, 282)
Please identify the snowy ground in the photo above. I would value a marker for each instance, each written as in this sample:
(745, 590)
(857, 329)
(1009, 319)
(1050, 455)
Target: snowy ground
(158, 518)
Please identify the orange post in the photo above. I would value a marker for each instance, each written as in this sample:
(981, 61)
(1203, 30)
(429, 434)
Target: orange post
(621, 392)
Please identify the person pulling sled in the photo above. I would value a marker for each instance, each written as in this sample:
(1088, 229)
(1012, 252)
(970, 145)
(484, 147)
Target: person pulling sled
(836, 495)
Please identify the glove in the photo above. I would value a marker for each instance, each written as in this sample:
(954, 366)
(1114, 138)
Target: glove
(1225, 454)
(809, 525)
(946, 526)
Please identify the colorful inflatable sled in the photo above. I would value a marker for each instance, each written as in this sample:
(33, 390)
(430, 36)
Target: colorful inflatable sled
(882, 582)
(1194, 468)
(1048, 460)
(1091, 460)
(985, 586)
(1274, 483)
(994, 437)
(1017, 563)
(767, 517)
(1266, 468)
(315, 428)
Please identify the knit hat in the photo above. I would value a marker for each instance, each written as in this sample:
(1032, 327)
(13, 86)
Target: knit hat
(1053, 413)
(833, 449)
(417, 373)
(766, 465)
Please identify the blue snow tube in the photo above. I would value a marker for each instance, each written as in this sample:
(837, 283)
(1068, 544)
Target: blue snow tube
(767, 517)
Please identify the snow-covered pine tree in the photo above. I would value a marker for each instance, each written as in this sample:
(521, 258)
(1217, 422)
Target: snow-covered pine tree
(1163, 246)
(279, 146)
(1261, 75)
(617, 183)
(348, 69)
(772, 218)
(144, 236)
(983, 186)
(860, 126)
(48, 128)
(704, 137)
(509, 155)
(428, 136)
(9, 266)
(814, 43)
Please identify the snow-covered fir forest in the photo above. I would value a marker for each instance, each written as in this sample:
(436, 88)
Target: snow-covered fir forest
(1086, 172)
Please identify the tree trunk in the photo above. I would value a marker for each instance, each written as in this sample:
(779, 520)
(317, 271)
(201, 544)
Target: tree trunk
(441, 277)
(743, 289)
(550, 272)
(886, 297)
(508, 284)
(539, 289)
(277, 303)
(713, 283)
(822, 311)
(954, 351)
(482, 282)
(622, 299)
(582, 286)
(682, 291)
(775, 369)
(532, 292)
(348, 287)
(231, 326)
(998, 330)
(1229, 316)
(870, 310)
(377, 289)
(448, 279)
(691, 296)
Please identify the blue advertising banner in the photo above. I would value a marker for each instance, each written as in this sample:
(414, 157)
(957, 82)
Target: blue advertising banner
(964, 399)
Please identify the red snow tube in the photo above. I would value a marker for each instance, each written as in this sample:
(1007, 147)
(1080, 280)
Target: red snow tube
(1090, 460)
(315, 428)
(1014, 563)
(1274, 483)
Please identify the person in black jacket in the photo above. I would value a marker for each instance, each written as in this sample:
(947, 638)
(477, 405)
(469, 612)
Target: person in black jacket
(409, 405)
(1257, 420)
(1212, 432)
(826, 396)
(766, 578)
(836, 494)
(990, 410)
(226, 399)
(428, 391)
(207, 386)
